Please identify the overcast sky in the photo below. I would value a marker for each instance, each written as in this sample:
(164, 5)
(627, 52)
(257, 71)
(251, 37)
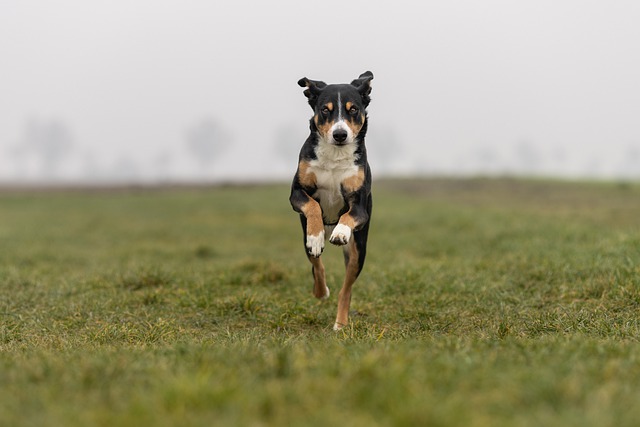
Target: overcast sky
(461, 87)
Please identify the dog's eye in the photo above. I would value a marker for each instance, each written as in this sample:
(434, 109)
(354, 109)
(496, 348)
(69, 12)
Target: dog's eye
(353, 111)
(325, 111)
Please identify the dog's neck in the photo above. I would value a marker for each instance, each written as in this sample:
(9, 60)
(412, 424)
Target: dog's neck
(331, 156)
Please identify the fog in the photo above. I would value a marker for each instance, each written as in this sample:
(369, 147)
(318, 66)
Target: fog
(169, 91)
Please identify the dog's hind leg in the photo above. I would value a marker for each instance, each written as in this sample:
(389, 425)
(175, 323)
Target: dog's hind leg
(344, 298)
(354, 254)
(320, 289)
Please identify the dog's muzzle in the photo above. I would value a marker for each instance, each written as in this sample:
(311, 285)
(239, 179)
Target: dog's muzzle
(340, 135)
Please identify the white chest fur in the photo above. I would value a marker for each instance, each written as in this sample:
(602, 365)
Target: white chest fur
(333, 165)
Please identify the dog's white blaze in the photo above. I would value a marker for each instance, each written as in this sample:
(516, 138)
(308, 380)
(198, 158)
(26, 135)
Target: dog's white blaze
(342, 233)
(341, 124)
(334, 164)
(315, 244)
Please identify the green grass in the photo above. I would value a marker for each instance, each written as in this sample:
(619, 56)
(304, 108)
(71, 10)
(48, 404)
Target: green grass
(482, 303)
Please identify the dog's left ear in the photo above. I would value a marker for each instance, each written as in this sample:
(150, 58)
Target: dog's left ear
(314, 88)
(363, 84)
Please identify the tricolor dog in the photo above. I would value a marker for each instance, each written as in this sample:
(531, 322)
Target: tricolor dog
(331, 189)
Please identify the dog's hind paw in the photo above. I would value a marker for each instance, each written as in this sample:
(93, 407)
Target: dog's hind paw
(341, 235)
(323, 294)
(315, 244)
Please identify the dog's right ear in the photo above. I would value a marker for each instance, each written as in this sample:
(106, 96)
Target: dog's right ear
(363, 84)
(314, 89)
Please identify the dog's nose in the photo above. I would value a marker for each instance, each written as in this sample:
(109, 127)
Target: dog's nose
(340, 135)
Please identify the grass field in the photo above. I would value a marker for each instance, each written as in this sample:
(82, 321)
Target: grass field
(482, 303)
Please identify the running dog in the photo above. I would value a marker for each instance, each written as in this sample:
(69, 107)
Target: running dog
(331, 189)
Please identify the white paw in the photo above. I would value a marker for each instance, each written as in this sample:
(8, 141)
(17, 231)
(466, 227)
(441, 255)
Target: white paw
(337, 326)
(341, 235)
(315, 244)
(326, 294)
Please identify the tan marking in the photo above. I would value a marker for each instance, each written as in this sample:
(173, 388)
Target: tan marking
(348, 105)
(348, 220)
(354, 182)
(322, 128)
(320, 289)
(306, 177)
(313, 213)
(329, 106)
(355, 126)
(344, 298)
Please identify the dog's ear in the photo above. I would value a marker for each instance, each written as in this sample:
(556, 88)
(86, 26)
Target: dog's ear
(314, 89)
(363, 84)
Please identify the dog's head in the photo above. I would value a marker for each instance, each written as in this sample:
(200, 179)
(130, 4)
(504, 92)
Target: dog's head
(339, 110)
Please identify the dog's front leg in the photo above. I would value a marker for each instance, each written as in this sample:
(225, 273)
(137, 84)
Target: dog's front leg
(310, 208)
(342, 232)
(315, 228)
(351, 220)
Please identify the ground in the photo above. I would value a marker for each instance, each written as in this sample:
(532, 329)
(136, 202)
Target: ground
(483, 302)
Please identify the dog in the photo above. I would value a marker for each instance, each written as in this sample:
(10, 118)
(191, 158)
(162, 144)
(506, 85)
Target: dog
(331, 189)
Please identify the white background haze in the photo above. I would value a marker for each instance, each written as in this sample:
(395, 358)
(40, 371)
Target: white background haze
(157, 91)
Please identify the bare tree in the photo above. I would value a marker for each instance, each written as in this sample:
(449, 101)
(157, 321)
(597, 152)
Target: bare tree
(288, 140)
(162, 164)
(528, 158)
(384, 148)
(485, 160)
(630, 166)
(125, 169)
(206, 140)
(50, 142)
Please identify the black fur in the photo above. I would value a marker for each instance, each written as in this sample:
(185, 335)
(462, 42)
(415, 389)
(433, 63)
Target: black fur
(335, 151)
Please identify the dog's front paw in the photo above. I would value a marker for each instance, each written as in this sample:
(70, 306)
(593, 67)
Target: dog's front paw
(341, 235)
(315, 244)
